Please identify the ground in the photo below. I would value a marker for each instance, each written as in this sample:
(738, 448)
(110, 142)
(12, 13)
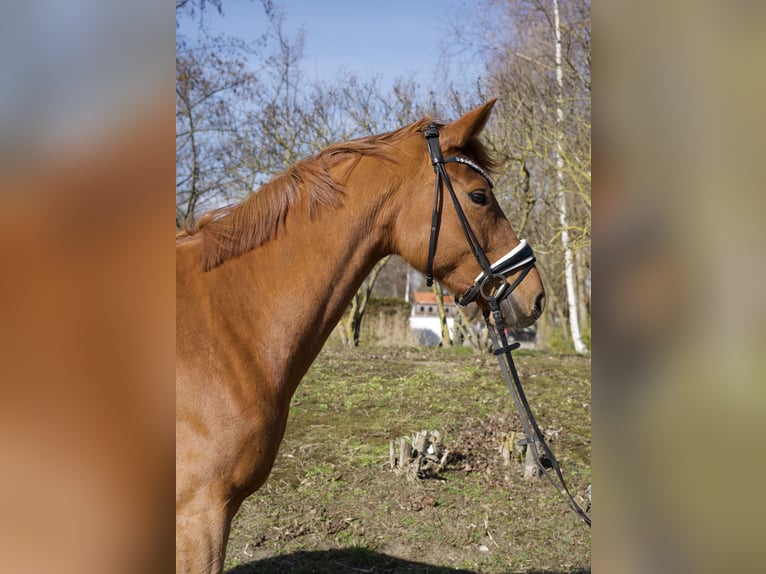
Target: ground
(332, 503)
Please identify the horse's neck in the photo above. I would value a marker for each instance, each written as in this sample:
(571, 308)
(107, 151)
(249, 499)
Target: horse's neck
(296, 287)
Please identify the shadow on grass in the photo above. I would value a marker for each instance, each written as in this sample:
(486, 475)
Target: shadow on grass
(351, 561)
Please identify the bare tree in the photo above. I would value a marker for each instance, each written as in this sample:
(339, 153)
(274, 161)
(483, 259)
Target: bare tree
(351, 323)
(442, 312)
(569, 271)
(209, 78)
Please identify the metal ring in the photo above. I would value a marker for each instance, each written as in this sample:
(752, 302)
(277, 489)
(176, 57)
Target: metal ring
(487, 281)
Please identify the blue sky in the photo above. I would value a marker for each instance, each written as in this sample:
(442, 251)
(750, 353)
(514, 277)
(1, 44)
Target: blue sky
(387, 39)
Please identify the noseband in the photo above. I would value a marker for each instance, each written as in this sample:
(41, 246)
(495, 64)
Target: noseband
(490, 283)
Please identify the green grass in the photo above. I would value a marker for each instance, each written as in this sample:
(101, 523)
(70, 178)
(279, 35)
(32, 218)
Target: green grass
(333, 505)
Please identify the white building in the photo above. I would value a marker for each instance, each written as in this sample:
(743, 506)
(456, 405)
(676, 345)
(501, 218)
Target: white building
(424, 317)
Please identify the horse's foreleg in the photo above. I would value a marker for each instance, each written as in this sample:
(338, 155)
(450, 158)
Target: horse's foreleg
(213, 477)
(201, 539)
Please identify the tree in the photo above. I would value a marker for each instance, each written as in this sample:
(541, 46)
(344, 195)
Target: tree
(351, 323)
(569, 274)
(442, 312)
(209, 78)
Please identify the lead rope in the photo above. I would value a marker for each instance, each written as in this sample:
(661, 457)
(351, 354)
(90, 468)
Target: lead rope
(502, 350)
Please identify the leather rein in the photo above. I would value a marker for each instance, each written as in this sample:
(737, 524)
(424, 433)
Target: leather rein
(492, 286)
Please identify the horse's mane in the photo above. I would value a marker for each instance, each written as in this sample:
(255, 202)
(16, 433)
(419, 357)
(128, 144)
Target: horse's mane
(233, 230)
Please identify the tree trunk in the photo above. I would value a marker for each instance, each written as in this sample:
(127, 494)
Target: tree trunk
(439, 293)
(582, 298)
(458, 329)
(351, 327)
(574, 321)
(465, 328)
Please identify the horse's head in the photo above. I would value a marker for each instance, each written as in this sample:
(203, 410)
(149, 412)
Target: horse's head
(436, 236)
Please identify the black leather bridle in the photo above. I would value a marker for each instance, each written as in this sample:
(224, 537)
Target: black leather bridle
(490, 283)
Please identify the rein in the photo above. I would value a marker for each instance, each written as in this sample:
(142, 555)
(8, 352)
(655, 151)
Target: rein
(492, 286)
(534, 439)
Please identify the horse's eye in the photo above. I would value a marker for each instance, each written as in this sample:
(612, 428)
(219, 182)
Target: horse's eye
(479, 197)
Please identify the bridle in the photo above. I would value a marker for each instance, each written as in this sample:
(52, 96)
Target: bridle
(492, 286)
(490, 283)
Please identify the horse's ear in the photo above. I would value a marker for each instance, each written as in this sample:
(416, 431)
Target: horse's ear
(459, 132)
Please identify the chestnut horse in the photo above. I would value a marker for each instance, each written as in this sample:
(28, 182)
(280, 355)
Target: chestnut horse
(260, 286)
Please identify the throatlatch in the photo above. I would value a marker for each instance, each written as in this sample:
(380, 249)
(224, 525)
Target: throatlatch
(492, 286)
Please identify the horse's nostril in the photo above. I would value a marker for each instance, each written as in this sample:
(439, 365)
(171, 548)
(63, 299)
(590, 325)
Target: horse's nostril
(540, 304)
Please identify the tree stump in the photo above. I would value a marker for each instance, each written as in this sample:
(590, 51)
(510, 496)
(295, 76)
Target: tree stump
(512, 450)
(421, 456)
(531, 470)
(515, 448)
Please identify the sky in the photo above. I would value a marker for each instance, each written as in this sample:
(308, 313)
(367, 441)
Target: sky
(373, 38)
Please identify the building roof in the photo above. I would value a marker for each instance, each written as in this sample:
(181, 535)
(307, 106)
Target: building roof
(429, 298)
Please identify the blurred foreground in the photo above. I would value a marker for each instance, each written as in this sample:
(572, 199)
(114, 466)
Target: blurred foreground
(86, 292)
(678, 373)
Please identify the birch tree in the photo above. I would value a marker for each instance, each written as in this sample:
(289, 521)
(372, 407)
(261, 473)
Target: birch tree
(574, 322)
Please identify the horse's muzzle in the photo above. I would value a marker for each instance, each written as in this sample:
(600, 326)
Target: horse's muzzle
(517, 315)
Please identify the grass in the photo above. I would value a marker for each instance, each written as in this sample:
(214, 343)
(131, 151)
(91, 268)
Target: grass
(333, 505)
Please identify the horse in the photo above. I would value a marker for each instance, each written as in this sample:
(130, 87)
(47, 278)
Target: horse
(261, 284)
